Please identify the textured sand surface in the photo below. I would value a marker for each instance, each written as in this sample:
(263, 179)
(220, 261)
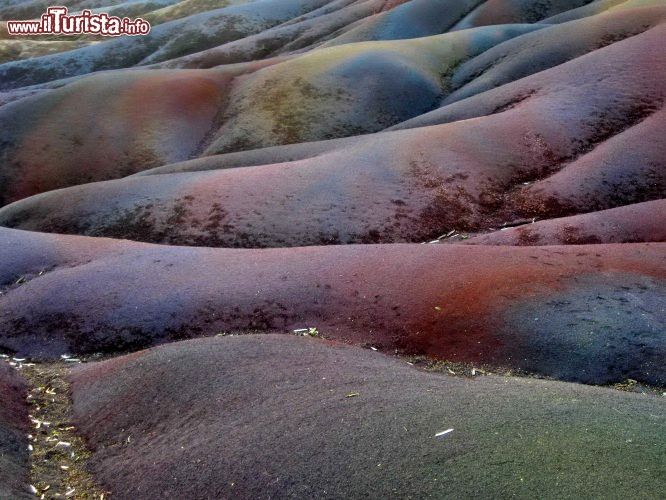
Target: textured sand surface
(477, 182)
(592, 313)
(281, 417)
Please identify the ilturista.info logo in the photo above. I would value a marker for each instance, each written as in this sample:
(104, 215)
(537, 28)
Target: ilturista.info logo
(57, 22)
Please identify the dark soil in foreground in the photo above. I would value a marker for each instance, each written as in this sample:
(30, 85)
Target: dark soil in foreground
(274, 416)
(14, 466)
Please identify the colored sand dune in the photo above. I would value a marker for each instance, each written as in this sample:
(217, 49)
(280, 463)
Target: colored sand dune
(474, 186)
(565, 312)
(282, 416)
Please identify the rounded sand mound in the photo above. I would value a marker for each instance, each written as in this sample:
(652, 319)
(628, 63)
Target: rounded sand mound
(277, 416)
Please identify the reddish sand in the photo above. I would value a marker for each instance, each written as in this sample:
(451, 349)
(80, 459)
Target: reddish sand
(455, 302)
(627, 224)
(549, 145)
(255, 169)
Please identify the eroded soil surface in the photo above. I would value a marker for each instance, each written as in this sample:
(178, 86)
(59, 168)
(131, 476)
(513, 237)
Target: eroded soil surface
(470, 187)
